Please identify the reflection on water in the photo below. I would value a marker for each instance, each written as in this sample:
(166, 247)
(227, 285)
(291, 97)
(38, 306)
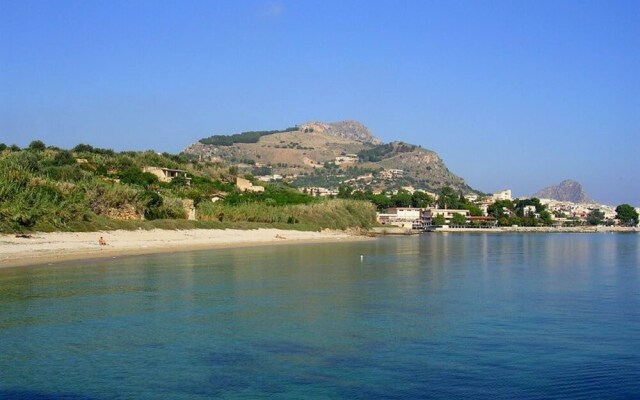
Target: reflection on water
(437, 316)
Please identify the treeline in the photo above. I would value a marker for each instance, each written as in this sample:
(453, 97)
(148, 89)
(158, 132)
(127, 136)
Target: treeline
(243, 137)
(447, 198)
(376, 153)
(382, 151)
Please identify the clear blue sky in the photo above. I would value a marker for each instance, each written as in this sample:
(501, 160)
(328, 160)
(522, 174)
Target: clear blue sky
(511, 94)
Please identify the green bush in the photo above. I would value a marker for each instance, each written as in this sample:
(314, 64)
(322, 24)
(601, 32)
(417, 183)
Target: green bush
(332, 214)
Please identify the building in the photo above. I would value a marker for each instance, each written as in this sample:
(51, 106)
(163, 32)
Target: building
(502, 195)
(391, 173)
(319, 191)
(528, 211)
(166, 174)
(347, 159)
(430, 213)
(404, 217)
(269, 178)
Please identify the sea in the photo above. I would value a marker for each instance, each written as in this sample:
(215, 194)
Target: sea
(434, 316)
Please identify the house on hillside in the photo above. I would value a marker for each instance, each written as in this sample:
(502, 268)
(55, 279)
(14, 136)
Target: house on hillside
(166, 174)
(347, 159)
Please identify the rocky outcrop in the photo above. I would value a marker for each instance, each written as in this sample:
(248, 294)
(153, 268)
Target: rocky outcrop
(123, 213)
(351, 130)
(567, 190)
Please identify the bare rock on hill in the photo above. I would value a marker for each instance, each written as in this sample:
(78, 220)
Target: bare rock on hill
(567, 190)
(351, 130)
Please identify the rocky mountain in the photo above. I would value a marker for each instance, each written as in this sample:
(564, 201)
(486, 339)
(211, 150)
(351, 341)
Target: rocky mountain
(319, 154)
(351, 130)
(567, 190)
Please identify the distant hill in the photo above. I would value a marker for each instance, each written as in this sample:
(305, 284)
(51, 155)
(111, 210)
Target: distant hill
(567, 190)
(328, 155)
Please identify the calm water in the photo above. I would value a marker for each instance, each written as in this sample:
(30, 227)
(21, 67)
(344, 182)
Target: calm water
(436, 316)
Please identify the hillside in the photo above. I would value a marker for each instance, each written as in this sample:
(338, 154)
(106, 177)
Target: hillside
(567, 190)
(318, 154)
(88, 189)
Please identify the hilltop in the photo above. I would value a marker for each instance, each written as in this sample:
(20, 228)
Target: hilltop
(319, 154)
(567, 190)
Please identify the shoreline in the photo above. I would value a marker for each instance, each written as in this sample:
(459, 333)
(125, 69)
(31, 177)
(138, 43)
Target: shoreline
(47, 248)
(541, 229)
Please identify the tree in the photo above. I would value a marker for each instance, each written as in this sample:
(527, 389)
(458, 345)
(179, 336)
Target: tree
(2, 146)
(497, 209)
(381, 201)
(402, 199)
(474, 210)
(448, 198)
(37, 145)
(83, 148)
(135, 176)
(63, 157)
(421, 199)
(595, 217)
(344, 192)
(521, 204)
(546, 217)
(627, 214)
(458, 219)
(438, 220)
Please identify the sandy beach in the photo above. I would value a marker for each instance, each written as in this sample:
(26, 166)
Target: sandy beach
(42, 248)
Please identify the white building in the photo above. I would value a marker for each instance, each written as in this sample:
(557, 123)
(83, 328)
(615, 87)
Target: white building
(502, 195)
(429, 214)
(404, 217)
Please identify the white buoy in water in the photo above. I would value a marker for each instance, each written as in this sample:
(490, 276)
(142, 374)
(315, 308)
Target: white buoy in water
(361, 257)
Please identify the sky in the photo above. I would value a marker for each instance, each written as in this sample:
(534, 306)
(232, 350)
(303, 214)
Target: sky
(511, 94)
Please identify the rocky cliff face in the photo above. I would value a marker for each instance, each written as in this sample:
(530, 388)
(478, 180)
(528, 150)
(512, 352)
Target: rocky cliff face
(567, 190)
(351, 130)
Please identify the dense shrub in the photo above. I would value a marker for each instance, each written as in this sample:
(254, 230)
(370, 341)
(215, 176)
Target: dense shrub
(135, 176)
(332, 214)
(244, 137)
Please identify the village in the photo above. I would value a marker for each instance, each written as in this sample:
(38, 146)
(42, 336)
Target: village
(492, 211)
(562, 214)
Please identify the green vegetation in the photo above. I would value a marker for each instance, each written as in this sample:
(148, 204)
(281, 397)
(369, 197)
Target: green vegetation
(627, 215)
(86, 188)
(331, 175)
(439, 220)
(448, 198)
(381, 201)
(520, 213)
(595, 217)
(332, 214)
(376, 153)
(382, 151)
(458, 219)
(243, 137)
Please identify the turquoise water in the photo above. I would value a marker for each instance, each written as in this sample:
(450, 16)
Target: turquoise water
(437, 316)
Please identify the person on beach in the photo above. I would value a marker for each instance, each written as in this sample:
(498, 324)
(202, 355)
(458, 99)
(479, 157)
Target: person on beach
(102, 242)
